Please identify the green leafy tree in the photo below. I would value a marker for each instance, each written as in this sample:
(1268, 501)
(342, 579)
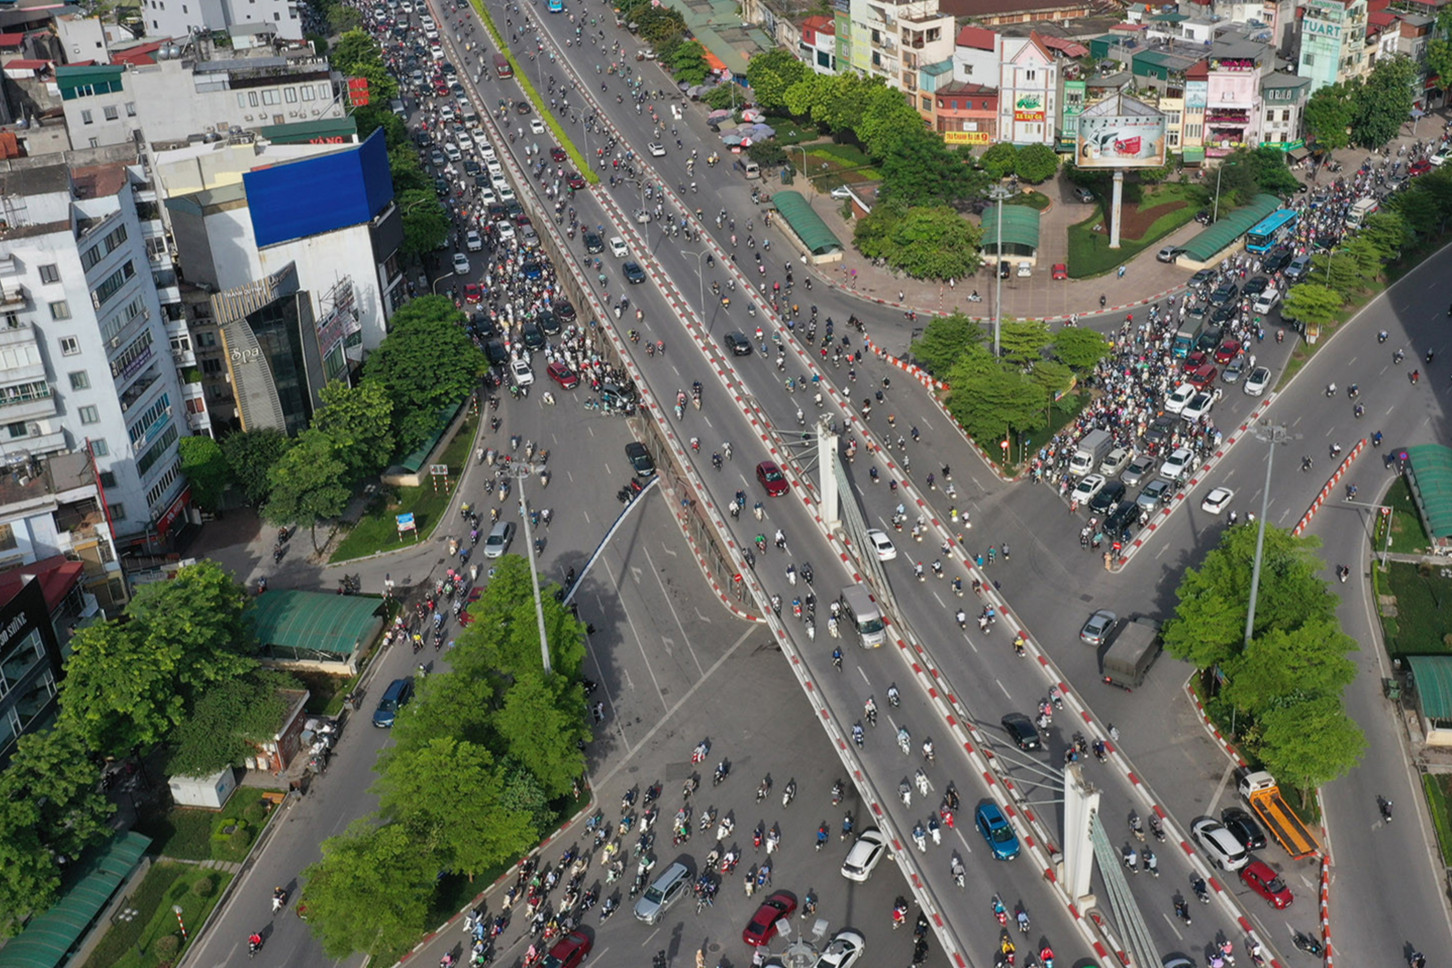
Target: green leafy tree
(407, 170)
(379, 114)
(1438, 56)
(1036, 163)
(996, 401)
(216, 734)
(1313, 303)
(371, 890)
(1387, 233)
(688, 63)
(1023, 341)
(354, 48)
(872, 234)
(1052, 377)
(726, 95)
(1327, 117)
(770, 74)
(427, 365)
(503, 644)
(523, 793)
(56, 770)
(425, 223)
(1306, 744)
(359, 423)
(658, 25)
(1237, 181)
(1000, 160)
(768, 154)
(32, 879)
(944, 339)
(935, 243)
(251, 455)
(920, 170)
(308, 484)
(1272, 175)
(1383, 101)
(343, 18)
(542, 723)
(1309, 660)
(450, 704)
(206, 469)
(423, 787)
(1080, 348)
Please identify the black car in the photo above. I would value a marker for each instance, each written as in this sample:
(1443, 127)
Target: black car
(1222, 315)
(639, 459)
(1003, 269)
(1242, 827)
(1021, 730)
(1255, 285)
(1224, 294)
(1277, 259)
(565, 310)
(1202, 278)
(1118, 523)
(534, 337)
(1109, 495)
(1203, 216)
(1160, 429)
(593, 243)
(482, 326)
(521, 107)
(548, 322)
(495, 352)
(634, 274)
(737, 343)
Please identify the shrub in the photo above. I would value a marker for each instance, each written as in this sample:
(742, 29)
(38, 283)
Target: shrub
(204, 887)
(165, 946)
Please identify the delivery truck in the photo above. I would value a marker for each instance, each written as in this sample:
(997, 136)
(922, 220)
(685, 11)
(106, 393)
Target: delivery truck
(1131, 652)
(1260, 791)
(1092, 449)
(1186, 336)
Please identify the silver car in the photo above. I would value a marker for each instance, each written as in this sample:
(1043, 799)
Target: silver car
(1097, 628)
(1139, 468)
(664, 891)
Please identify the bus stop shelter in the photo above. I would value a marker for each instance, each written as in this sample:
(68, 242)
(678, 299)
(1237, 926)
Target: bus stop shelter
(808, 231)
(1231, 227)
(1020, 232)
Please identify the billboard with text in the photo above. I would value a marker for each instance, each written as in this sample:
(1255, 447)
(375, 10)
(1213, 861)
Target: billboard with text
(1120, 141)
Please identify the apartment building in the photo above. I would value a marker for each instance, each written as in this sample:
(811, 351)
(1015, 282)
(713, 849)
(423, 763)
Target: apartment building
(1333, 42)
(184, 18)
(896, 41)
(817, 44)
(1022, 71)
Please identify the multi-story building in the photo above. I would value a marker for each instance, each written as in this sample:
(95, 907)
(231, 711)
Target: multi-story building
(1232, 96)
(1333, 42)
(197, 91)
(85, 361)
(966, 114)
(1025, 74)
(30, 653)
(895, 41)
(184, 18)
(817, 45)
(1283, 98)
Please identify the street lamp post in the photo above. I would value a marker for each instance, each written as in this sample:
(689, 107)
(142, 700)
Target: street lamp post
(1272, 434)
(522, 471)
(998, 193)
(700, 278)
(805, 175)
(1218, 172)
(440, 279)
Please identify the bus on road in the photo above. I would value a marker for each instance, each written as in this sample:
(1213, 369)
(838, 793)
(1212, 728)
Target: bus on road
(1272, 230)
(555, 6)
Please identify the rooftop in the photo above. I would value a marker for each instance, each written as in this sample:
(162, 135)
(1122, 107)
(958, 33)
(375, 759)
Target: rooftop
(57, 576)
(56, 478)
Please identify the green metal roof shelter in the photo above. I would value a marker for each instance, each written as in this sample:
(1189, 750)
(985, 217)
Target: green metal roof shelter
(1208, 244)
(1432, 676)
(316, 626)
(1020, 230)
(1429, 475)
(806, 224)
(48, 939)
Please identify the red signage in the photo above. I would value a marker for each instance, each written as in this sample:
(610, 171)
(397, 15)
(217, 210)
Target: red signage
(358, 91)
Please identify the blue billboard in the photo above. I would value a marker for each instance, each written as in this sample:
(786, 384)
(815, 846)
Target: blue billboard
(298, 199)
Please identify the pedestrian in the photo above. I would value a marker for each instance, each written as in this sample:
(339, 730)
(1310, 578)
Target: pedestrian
(1121, 272)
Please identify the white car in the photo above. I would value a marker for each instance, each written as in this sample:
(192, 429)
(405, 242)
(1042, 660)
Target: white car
(482, 143)
(1258, 380)
(1440, 158)
(505, 230)
(870, 848)
(523, 375)
(506, 194)
(881, 544)
(486, 151)
(1025, 270)
(1179, 396)
(843, 950)
(1219, 844)
(1217, 500)
(472, 242)
(497, 179)
(536, 126)
(461, 263)
(1091, 485)
(487, 196)
(1177, 465)
(656, 149)
(618, 247)
(1198, 406)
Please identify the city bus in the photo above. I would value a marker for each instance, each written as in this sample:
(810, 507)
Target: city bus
(1272, 230)
(555, 6)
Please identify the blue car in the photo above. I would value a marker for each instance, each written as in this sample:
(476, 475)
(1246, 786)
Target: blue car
(634, 274)
(995, 828)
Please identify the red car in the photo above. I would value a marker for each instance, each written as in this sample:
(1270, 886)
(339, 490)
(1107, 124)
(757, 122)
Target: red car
(1059, 272)
(772, 478)
(1258, 876)
(1227, 351)
(1204, 376)
(562, 375)
(570, 951)
(575, 181)
(557, 155)
(762, 927)
(1419, 168)
(1195, 360)
(473, 292)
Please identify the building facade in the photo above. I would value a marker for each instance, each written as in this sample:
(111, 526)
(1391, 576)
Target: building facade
(1028, 92)
(183, 18)
(817, 44)
(1333, 42)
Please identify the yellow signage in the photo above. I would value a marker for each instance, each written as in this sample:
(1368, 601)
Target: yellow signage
(966, 137)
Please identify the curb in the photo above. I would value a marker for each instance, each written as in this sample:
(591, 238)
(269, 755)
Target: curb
(1336, 476)
(1210, 727)
(1062, 318)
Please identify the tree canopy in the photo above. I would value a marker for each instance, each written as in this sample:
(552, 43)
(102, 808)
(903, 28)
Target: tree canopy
(206, 469)
(1036, 163)
(770, 74)
(926, 242)
(358, 422)
(217, 732)
(251, 455)
(425, 223)
(308, 484)
(426, 365)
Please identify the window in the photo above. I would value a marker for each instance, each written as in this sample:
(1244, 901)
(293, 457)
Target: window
(7, 537)
(50, 273)
(306, 91)
(80, 381)
(112, 284)
(1308, 59)
(131, 109)
(86, 117)
(99, 448)
(108, 479)
(290, 95)
(1029, 75)
(103, 248)
(271, 97)
(252, 99)
(93, 142)
(70, 346)
(110, 113)
(15, 431)
(89, 415)
(118, 512)
(206, 340)
(211, 367)
(241, 99)
(60, 309)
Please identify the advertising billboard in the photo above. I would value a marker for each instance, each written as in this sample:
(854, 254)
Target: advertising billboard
(1120, 141)
(966, 137)
(311, 196)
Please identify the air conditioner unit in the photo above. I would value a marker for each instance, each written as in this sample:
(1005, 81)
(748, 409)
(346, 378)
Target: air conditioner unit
(115, 341)
(32, 430)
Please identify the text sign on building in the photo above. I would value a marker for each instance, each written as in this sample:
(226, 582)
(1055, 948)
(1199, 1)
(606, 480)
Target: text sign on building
(1323, 18)
(1029, 107)
(966, 137)
(358, 92)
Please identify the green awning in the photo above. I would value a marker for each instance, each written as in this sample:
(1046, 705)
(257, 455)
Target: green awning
(300, 624)
(1429, 474)
(320, 132)
(806, 224)
(48, 939)
(1020, 229)
(1193, 156)
(1432, 675)
(1220, 236)
(84, 81)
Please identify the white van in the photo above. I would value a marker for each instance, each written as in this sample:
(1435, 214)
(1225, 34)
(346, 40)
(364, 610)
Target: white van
(861, 609)
(1267, 300)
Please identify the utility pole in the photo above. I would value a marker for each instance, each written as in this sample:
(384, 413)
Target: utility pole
(1272, 434)
(520, 473)
(998, 193)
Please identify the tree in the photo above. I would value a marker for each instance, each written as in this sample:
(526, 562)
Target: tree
(375, 115)
(1387, 233)
(726, 95)
(32, 878)
(768, 154)
(770, 74)
(407, 170)
(1383, 101)
(56, 770)
(1306, 661)
(1438, 56)
(1022, 342)
(427, 365)
(944, 339)
(918, 169)
(359, 423)
(1080, 348)
(1327, 117)
(996, 401)
(251, 455)
(1052, 377)
(371, 890)
(307, 484)
(688, 63)
(216, 734)
(503, 643)
(1306, 744)
(542, 723)
(1313, 303)
(425, 223)
(1036, 163)
(448, 794)
(1271, 172)
(999, 160)
(450, 704)
(206, 470)
(343, 18)
(352, 49)
(936, 243)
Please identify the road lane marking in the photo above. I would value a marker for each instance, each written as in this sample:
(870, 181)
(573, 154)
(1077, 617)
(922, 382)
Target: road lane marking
(675, 616)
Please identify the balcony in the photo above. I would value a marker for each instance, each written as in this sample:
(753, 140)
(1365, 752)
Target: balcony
(9, 265)
(14, 410)
(12, 297)
(184, 358)
(18, 333)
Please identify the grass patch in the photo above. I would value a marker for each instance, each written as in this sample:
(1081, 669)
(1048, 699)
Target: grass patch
(836, 164)
(1423, 602)
(152, 938)
(1035, 200)
(325, 692)
(1089, 251)
(792, 132)
(188, 833)
(1438, 787)
(1408, 536)
(377, 530)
